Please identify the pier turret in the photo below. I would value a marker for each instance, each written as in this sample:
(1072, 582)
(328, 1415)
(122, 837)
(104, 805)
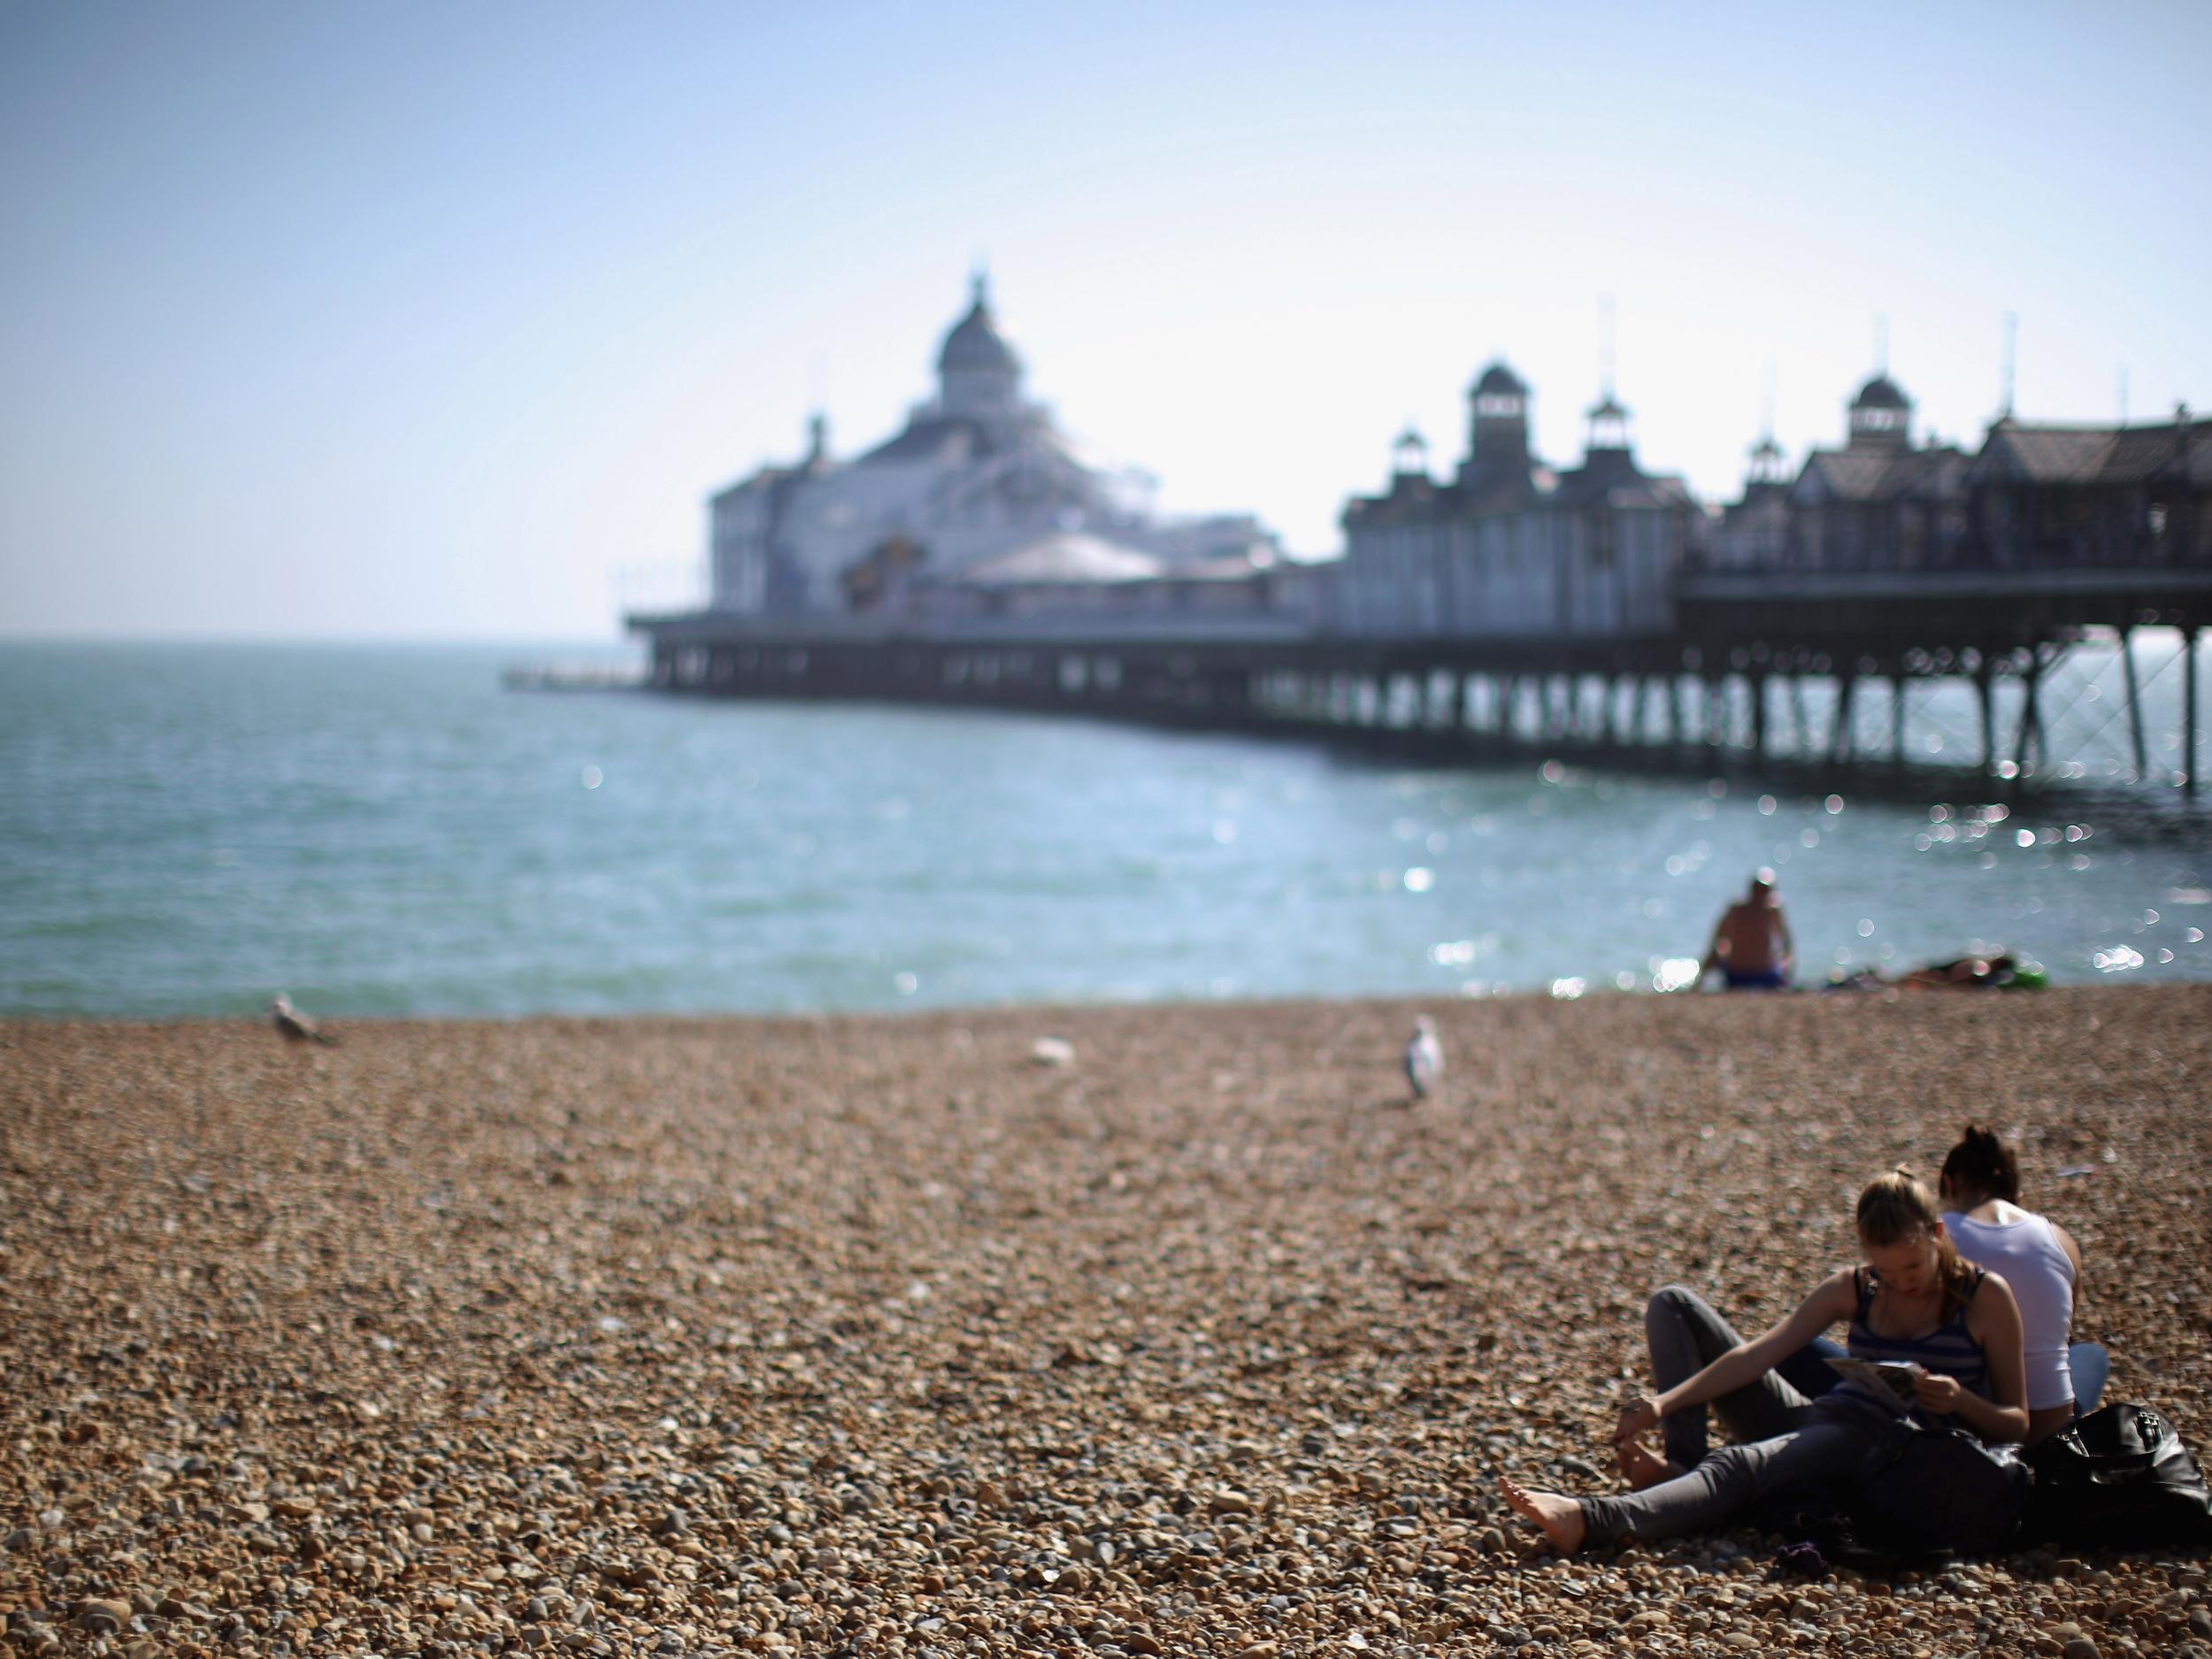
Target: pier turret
(1607, 430)
(978, 372)
(1409, 458)
(1881, 416)
(1497, 455)
(1766, 464)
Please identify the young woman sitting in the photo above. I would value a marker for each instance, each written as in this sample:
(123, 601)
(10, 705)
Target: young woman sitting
(1915, 1300)
(2040, 1265)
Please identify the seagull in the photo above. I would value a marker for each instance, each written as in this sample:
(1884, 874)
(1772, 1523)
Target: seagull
(294, 1026)
(1425, 1059)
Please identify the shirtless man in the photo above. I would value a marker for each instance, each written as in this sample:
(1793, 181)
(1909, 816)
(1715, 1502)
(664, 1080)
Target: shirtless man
(1751, 947)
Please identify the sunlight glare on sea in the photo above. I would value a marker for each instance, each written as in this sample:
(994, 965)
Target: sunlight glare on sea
(385, 831)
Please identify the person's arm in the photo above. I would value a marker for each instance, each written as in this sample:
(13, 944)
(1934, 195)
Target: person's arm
(1831, 1300)
(1994, 1321)
(1716, 953)
(1788, 960)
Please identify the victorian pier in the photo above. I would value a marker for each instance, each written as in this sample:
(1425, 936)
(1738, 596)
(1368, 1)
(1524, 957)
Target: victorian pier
(1806, 677)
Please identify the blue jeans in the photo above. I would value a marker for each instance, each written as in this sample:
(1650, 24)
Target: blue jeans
(1808, 1370)
(2091, 1366)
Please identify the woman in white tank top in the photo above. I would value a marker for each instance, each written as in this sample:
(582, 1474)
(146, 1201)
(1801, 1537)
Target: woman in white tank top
(2031, 1254)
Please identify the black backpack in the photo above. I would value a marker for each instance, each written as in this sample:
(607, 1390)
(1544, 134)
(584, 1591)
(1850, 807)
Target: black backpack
(2118, 1479)
(1937, 1491)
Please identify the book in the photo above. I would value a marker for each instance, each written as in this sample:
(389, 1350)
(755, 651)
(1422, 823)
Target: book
(1887, 1380)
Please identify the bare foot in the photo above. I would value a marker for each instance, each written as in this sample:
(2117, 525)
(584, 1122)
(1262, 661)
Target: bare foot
(1559, 1518)
(1641, 1468)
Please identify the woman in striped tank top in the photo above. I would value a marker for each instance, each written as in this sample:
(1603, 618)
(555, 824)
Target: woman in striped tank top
(1914, 1300)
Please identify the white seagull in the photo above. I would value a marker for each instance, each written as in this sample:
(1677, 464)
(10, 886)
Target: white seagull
(294, 1026)
(1425, 1059)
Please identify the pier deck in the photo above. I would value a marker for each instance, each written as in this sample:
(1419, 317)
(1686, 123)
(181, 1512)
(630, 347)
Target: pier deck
(1727, 687)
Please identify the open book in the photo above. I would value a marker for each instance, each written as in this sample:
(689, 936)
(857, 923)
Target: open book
(1889, 1381)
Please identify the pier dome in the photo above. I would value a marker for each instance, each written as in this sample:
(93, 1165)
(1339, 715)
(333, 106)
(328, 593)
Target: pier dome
(1881, 392)
(974, 345)
(1880, 416)
(978, 374)
(1498, 381)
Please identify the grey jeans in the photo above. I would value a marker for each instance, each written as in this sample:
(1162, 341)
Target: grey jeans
(1783, 1440)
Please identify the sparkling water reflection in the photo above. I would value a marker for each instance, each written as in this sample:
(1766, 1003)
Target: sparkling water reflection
(383, 831)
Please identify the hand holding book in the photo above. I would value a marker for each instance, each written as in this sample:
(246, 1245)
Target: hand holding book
(1891, 1381)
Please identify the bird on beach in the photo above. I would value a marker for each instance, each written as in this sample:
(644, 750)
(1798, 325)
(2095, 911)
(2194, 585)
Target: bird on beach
(1425, 1057)
(294, 1026)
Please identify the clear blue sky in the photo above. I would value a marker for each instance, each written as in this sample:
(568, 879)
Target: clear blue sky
(391, 319)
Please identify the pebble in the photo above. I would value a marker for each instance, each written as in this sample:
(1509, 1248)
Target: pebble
(103, 1617)
(856, 1336)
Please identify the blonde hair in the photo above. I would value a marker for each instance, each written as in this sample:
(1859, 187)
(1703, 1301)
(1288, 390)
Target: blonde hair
(1897, 1208)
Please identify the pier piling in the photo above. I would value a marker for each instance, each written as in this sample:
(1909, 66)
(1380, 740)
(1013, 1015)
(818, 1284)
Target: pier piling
(2190, 636)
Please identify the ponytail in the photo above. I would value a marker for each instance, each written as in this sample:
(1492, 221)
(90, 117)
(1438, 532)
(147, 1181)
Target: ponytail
(1981, 1163)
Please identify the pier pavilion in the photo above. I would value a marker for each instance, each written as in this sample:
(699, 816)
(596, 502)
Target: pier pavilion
(1513, 607)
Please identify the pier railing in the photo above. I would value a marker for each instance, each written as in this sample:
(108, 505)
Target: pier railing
(1758, 672)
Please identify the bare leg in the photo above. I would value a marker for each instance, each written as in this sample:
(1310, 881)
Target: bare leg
(1639, 1468)
(1560, 1519)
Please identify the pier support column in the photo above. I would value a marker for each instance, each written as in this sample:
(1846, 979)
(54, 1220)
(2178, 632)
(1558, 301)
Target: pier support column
(1986, 679)
(1636, 697)
(1802, 735)
(1677, 724)
(2031, 728)
(2135, 701)
(1897, 721)
(1840, 736)
(2189, 711)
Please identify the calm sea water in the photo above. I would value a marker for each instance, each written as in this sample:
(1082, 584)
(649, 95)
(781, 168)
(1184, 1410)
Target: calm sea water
(384, 831)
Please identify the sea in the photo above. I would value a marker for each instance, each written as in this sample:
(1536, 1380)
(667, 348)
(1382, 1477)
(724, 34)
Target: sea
(385, 831)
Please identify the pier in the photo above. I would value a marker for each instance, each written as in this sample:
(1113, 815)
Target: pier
(1779, 674)
(1502, 606)
(572, 676)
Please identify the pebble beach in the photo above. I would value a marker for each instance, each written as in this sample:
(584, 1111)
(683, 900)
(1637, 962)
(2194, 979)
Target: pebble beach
(1182, 1332)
